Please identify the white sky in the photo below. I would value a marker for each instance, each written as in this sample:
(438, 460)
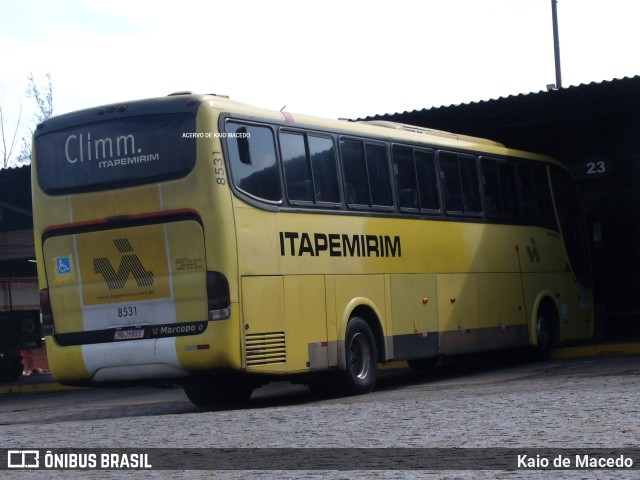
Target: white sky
(346, 58)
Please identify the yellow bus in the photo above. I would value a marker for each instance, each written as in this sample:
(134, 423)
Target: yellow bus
(199, 240)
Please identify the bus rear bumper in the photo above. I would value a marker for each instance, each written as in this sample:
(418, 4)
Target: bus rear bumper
(132, 360)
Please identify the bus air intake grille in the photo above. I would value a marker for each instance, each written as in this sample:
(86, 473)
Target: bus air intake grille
(265, 348)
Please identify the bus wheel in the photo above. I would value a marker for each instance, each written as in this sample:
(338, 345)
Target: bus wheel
(543, 334)
(361, 359)
(210, 393)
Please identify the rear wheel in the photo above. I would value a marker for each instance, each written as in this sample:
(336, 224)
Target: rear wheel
(543, 337)
(225, 391)
(361, 357)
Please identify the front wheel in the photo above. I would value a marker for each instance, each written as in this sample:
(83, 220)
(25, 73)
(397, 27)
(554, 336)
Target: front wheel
(543, 334)
(361, 356)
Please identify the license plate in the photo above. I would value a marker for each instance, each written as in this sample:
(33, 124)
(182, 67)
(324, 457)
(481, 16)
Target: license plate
(129, 334)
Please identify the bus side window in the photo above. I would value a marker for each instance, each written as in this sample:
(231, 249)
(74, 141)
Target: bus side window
(535, 195)
(491, 182)
(427, 179)
(451, 186)
(470, 184)
(405, 177)
(527, 192)
(379, 177)
(243, 146)
(325, 171)
(253, 161)
(499, 188)
(508, 188)
(310, 169)
(297, 175)
(543, 195)
(355, 172)
(460, 183)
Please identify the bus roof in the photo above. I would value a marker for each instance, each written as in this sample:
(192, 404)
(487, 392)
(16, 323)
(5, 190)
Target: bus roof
(389, 130)
(399, 132)
(431, 131)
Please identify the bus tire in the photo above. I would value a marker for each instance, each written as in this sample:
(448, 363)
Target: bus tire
(361, 356)
(212, 394)
(543, 337)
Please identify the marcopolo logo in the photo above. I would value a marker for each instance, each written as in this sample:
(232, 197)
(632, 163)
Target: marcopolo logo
(130, 264)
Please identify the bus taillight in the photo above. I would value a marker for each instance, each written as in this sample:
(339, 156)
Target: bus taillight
(218, 296)
(45, 310)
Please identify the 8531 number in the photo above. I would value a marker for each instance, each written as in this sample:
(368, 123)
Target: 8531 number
(127, 312)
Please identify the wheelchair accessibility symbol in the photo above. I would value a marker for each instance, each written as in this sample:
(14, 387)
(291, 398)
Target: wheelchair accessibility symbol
(63, 265)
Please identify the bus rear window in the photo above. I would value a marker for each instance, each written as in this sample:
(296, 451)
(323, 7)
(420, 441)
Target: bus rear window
(117, 153)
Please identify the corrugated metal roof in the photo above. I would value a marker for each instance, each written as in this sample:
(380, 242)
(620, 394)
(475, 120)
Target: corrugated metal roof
(14, 167)
(540, 96)
(488, 118)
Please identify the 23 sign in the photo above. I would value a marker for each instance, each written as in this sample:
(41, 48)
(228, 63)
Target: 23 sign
(596, 168)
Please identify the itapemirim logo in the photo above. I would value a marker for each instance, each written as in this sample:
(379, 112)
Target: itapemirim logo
(130, 264)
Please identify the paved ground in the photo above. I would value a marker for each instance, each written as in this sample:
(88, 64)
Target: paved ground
(45, 383)
(562, 403)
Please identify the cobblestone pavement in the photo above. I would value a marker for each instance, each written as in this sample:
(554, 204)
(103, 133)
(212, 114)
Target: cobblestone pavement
(556, 404)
